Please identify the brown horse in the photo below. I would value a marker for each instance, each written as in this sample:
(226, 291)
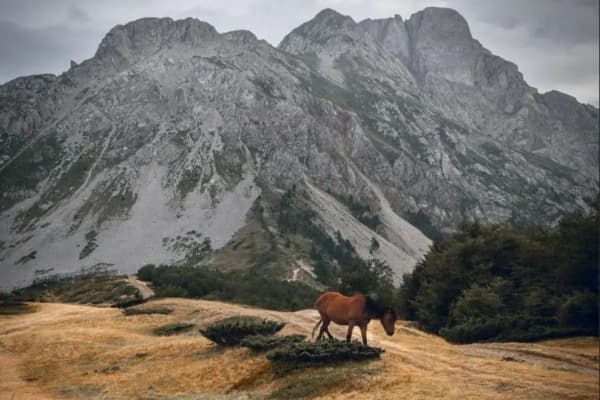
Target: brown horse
(351, 311)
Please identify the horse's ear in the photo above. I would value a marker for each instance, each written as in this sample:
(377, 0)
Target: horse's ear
(374, 296)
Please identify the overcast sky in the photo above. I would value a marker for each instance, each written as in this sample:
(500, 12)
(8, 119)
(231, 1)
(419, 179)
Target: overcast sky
(554, 42)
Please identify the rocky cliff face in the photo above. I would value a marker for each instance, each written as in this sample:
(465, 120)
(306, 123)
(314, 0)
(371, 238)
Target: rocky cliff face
(173, 134)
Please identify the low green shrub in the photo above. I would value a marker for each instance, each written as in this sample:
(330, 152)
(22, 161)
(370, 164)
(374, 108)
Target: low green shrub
(154, 310)
(473, 331)
(325, 352)
(126, 302)
(15, 307)
(173, 329)
(267, 342)
(231, 331)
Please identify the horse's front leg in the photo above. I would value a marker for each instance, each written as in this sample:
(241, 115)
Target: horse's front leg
(326, 330)
(363, 333)
(349, 334)
(328, 333)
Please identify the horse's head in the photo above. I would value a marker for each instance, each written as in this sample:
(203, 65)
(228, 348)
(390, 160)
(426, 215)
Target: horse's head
(388, 320)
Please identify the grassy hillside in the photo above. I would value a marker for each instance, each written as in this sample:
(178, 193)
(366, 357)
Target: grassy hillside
(63, 351)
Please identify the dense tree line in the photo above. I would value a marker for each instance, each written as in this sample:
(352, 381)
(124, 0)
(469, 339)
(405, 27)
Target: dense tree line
(500, 282)
(247, 287)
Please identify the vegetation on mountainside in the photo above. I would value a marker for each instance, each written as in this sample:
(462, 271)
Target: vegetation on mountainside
(336, 263)
(500, 282)
(86, 288)
(362, 212)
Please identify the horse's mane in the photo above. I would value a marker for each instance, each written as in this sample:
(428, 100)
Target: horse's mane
(374, 307)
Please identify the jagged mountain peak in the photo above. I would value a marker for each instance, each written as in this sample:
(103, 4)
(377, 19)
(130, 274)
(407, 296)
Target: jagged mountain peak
(385, 21)
(241, 35)
(390, 33)
(329, 15)
(139, 38)
(443, 21)
(143, 31)
(325, 25)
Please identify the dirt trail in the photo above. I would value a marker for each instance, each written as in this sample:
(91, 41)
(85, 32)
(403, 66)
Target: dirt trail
(141, 286)
(73, 351)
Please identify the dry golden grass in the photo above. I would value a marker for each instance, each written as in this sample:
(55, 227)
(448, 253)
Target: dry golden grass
(73, 351)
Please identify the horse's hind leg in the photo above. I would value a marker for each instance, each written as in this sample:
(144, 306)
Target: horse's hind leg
(324, 328)
(315, 328)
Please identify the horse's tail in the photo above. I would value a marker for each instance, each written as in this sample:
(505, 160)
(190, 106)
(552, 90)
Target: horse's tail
(315, 328)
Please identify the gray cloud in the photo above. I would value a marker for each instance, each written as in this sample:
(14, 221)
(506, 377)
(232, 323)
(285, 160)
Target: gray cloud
(566, 21)
(554, 42)
(27, 51)
(76, 13)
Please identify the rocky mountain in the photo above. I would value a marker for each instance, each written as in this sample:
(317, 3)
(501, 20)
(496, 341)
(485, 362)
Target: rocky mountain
(177, 143)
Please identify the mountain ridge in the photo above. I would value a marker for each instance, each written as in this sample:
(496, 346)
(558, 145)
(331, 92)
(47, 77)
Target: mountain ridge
(173, 128)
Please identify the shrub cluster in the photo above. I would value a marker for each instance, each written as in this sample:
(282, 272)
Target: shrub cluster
(501, 282)
(290, 350)
(324, 352)
(267, 342)
(173, 329)
(153, 310)
(10, 306)
(231, 331)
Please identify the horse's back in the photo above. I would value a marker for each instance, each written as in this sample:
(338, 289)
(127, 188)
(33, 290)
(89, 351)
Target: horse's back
(340, 308)
(327, 298)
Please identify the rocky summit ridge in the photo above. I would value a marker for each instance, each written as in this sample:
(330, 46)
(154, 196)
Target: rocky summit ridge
(177, 143)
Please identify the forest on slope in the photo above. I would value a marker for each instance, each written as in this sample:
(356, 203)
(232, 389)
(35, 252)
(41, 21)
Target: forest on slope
(501, 282)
